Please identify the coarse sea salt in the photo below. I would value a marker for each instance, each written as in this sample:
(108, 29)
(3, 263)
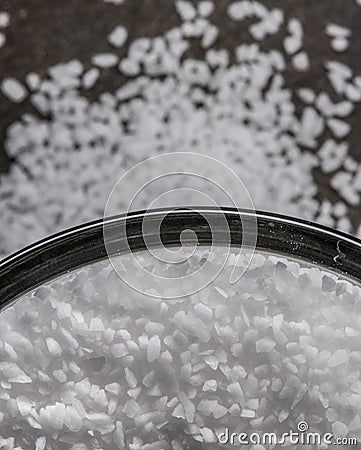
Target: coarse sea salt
(148, 376)
(118, 36)
(4, 19)
(105, 60)
(13, 89)
(235, 104)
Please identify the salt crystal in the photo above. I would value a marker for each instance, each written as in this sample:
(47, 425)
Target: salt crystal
(307, 95)
(53, 346)
(210, 385)
(301, 61)
(105, 60)
(339, 429)
(24, 405)
(153, 350)
(185, 9)
(338, 358)
(131, 378)
(206, 8)
(210, 36)
(119, 350)
(96, 324)
(353, 93)
(113, 388)
(4, 19)
(334, 30)
(14, 90)
(90, 78)
(118, 36)
(340, 44)
(265, 345)
(341, 69)
(338, 127)
(129, 67)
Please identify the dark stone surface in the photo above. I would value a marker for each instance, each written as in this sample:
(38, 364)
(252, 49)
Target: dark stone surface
(43, 33)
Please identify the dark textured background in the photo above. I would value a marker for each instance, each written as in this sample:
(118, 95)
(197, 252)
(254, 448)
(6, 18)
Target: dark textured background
(45, 32)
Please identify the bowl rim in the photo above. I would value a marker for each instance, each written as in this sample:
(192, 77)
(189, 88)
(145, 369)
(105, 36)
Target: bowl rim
(67, 250)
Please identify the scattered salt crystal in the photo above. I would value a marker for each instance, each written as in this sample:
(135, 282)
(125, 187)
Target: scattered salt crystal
(118, 36)
(353, 93)
(339, 128)
(129, 67)
(340, 44)
(293, 42)
(307, 95)
(14, 90)
(90, 78)
(338, 68)
(185, 9)
(4, 19)
(105, 60)
(209, 37)
(335, 30)
(206, 8)
(301, 61)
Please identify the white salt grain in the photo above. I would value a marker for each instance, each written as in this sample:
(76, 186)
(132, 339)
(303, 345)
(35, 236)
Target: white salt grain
(248, 414)
(118, 36)
(153, 350)
(185, 9)
(339, 68)
(14, 90)
(353, 93)
(335, 30)
(340, 44)
(301, 62)
(210, 36)
(206, 8)
(265, 345)
(307, 95)
(4, 19)
(131, 378)
(53, 346)
(40, 443)
(339, 128)
(90, 78)
(105, 60)
(129, 67)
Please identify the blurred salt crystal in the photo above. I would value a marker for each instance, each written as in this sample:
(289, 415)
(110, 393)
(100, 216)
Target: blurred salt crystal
(105, 60)
(14, 90)
(118, 36)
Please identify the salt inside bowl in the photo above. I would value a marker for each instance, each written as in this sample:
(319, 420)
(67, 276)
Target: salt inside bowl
(88, 363)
